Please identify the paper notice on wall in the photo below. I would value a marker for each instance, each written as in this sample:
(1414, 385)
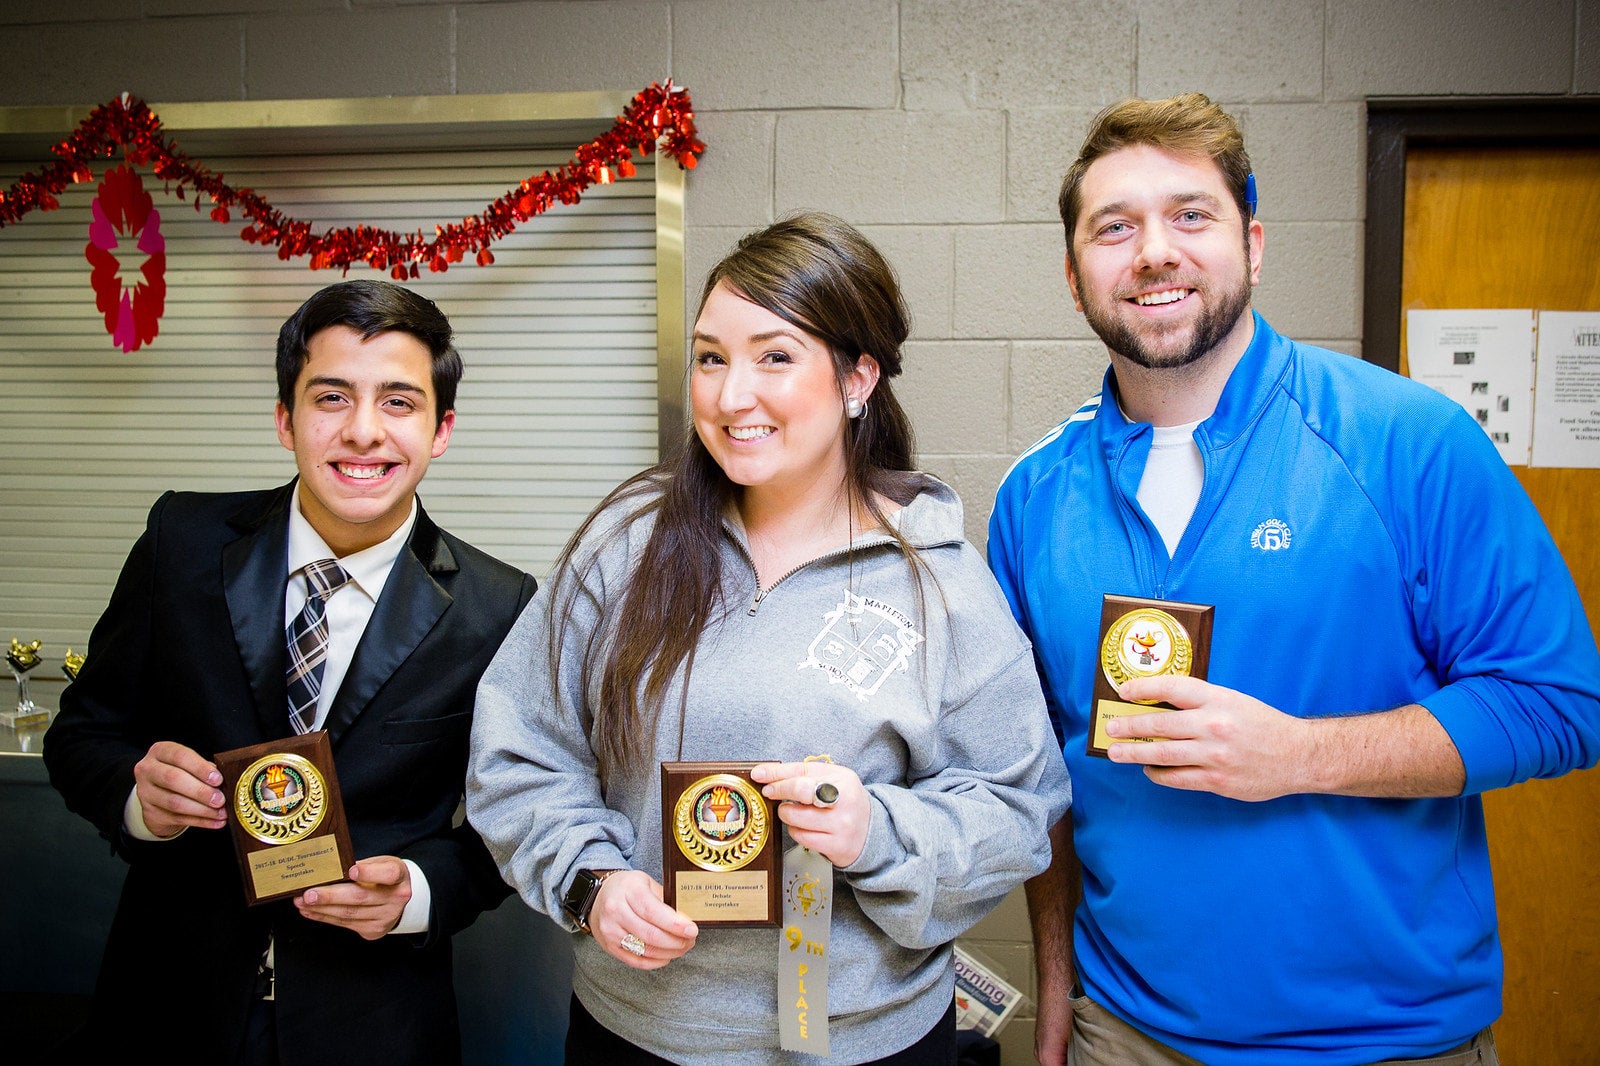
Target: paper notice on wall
(1566, 406)
(1483, 360)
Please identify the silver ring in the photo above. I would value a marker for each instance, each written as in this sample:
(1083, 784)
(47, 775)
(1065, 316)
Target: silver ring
(632, 945)
(826, 793)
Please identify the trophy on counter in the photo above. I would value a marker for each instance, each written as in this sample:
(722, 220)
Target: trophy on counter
(22, 658)
(71, 663)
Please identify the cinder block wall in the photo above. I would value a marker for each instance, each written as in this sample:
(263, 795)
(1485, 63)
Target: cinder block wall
(941, 127)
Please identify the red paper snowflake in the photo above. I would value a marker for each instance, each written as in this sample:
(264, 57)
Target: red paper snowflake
(132, 303)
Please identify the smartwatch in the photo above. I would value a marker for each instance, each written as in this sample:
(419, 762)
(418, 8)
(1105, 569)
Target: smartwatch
(581, 894)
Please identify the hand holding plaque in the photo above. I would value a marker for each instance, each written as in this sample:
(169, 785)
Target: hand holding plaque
(719, 852)
(1144, 638)
(286, 815)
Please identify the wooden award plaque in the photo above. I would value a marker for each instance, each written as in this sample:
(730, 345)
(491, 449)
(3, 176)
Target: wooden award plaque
(286, 816)
(720, 860)
(1144, 638)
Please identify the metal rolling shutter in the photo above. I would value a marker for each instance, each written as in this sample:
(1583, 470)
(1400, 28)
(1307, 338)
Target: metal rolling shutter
(558, 405)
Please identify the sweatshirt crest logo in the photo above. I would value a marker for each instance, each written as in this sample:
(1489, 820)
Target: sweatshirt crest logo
(862, 642)
(1270, 536)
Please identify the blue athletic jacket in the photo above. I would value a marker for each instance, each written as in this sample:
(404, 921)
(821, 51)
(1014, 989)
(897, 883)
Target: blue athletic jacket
(1365, 547)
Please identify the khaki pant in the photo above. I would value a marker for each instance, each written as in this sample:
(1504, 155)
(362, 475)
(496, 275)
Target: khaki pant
(1100, 1038)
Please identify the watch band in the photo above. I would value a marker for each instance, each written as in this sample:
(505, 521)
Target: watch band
(582, 893)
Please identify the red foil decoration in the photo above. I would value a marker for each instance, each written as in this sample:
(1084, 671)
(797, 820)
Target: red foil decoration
(123, 211)
(660, 116)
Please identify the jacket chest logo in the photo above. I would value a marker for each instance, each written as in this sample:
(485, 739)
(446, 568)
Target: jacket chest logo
(1271, 535)
(861, 643)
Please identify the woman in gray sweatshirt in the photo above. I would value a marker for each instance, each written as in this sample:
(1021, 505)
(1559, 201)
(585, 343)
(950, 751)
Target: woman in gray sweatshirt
(784, 587)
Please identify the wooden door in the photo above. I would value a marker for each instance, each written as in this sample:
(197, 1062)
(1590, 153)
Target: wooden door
(1520, 227)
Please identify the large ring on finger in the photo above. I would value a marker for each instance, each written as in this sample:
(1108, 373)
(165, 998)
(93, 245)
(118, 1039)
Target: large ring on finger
(632, 945)
(826, 794)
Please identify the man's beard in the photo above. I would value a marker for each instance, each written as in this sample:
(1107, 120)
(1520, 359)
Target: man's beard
(1221, 312)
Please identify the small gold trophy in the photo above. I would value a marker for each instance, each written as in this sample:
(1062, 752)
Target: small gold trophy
(1144, 638)
(71, 663)
(22, 658)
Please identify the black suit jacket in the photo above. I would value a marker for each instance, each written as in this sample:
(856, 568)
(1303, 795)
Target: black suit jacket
(191, 649)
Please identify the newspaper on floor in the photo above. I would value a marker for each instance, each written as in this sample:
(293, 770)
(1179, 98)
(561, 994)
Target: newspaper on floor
(985, 1001)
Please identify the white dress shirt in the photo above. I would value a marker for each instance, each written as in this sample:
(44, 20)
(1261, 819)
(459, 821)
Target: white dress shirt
(350, 607)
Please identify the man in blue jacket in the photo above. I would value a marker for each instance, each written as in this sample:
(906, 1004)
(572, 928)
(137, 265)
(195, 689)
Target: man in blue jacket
(1297, 870)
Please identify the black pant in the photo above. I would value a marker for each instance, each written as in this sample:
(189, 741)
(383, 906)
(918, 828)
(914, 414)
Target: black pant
(261, 1035)
(591, 1044)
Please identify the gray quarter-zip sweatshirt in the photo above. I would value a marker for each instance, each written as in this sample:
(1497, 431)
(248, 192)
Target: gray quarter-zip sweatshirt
(935, 704)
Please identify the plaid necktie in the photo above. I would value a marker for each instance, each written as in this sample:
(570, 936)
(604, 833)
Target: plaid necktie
(307, 637)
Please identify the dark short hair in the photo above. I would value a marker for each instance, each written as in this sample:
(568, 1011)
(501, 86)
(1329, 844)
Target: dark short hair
(370, 308)
(1189, 124)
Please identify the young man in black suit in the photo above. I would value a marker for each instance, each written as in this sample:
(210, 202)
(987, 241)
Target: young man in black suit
(191, 658)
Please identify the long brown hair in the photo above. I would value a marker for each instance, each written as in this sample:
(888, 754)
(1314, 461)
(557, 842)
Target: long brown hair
(815, 272)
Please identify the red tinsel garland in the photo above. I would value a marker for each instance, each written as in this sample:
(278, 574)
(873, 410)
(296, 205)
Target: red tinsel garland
(658, 114)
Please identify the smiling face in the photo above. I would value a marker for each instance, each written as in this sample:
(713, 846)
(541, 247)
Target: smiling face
(1162, 264)
(766, 400)
(363, 432)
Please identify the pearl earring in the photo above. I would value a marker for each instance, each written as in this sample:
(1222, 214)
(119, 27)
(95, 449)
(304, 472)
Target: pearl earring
(854, 407)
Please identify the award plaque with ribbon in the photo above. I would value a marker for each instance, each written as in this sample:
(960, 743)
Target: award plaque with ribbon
(719, 844)
(286, 815)
(1144, 638)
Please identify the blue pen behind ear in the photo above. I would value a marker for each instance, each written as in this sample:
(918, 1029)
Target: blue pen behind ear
(1250, 193)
